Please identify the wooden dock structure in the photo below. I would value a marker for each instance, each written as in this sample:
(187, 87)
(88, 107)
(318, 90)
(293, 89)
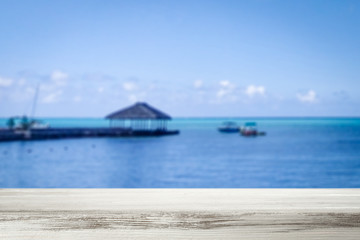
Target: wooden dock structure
(59, 133)
(138, 120)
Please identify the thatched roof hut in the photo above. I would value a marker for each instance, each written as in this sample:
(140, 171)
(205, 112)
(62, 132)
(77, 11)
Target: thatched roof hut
(139, 116)
(139, 110)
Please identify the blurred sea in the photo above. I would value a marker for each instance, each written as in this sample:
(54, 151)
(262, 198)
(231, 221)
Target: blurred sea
(295, 153)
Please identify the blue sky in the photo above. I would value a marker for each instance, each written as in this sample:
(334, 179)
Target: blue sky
(188, 58)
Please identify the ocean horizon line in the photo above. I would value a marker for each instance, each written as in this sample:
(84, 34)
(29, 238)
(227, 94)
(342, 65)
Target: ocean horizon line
(201, 117)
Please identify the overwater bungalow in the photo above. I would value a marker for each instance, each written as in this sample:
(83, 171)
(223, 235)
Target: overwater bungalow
(140, 116)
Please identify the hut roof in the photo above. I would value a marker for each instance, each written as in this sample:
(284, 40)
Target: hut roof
(139, 110)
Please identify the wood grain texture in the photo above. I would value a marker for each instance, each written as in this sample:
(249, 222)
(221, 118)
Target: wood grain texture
(179, 213)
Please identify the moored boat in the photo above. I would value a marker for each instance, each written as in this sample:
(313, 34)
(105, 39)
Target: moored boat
(250, 129)
(229, 127)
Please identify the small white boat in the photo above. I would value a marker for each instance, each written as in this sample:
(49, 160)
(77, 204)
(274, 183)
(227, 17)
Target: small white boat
(36, 124)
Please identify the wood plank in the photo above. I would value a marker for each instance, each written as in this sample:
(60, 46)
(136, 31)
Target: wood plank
(179, 213)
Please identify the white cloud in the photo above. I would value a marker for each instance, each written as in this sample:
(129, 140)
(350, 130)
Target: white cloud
(308, 97)
(58, 77)
(52, 97)
(221, 93)
(129, 86)
(225, 83)
(56, 81)
(198, 84)
(226, 89)
(137, 96)
(5, 82)
(252, 90)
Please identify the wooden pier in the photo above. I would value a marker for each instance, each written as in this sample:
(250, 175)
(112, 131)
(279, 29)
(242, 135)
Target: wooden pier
(59, 133)
(138, 120)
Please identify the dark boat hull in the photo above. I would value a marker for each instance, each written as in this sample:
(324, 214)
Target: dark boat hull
(229, 130)
(252, 133)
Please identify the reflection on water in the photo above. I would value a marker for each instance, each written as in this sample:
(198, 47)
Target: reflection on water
(295, 153)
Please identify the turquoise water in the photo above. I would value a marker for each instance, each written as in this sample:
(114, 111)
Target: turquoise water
(296, 152)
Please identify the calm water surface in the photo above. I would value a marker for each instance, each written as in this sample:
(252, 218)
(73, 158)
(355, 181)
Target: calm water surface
(297, 153)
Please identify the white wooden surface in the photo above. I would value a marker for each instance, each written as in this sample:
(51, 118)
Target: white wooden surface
(179, 213)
